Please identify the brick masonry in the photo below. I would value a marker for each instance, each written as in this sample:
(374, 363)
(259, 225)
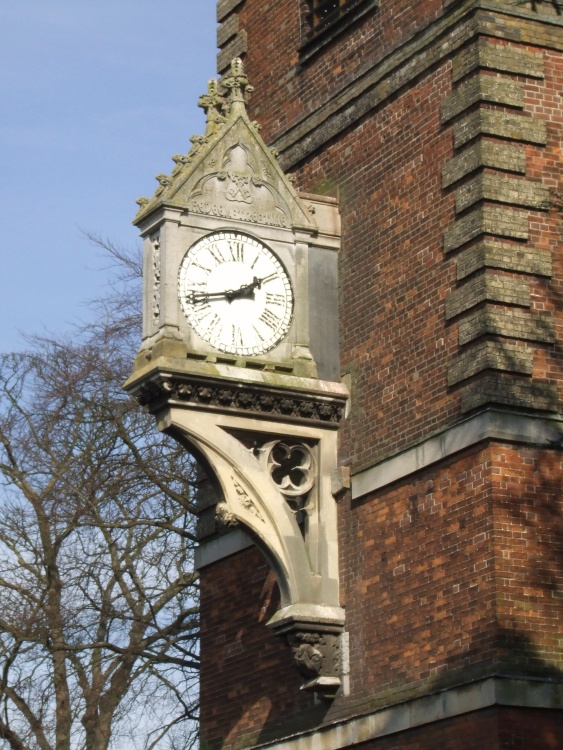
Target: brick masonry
(505, 156)
(512, 257)
(452, 573)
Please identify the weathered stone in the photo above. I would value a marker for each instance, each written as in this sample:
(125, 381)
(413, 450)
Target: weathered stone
(502, 189)
(237, 47)
(490, 355)
(505, 321)
(224, 7)
(513, 257)
(227, 30)
(509, 125)
(488, 288)
(508, 59)
(486, 220)
(510, 391)
(482, 88)
(507, 156)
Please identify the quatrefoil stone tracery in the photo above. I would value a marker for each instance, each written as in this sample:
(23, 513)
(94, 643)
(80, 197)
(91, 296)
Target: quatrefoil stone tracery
(291, 466)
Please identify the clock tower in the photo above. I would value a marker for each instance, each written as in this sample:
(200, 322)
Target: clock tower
(239, 360)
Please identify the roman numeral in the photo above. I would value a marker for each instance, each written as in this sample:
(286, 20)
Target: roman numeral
(236, 336)
(216, 254)
(275, 299)
(201, 311)
(236, 249)
(269, 319)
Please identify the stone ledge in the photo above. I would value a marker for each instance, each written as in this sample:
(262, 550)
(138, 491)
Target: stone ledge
(507, 156)
(510, 322)
(502, 189)
(227, 30)
(514, 392)
(236, 48)
(511, 257)
(482, 88)
(499, 222)
(443, 704)
(217, 549)
(515, 127)
(224, 7)
(490, 355)
(486, 54)
(487, 288)
(491, 424)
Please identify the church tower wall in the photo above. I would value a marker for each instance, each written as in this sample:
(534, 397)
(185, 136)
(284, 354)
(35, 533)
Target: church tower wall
(437, 127)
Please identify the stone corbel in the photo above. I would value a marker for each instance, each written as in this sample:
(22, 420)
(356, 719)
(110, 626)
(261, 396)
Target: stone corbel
(270, 440)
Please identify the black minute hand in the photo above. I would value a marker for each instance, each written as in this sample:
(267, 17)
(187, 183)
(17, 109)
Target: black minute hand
(246, 290)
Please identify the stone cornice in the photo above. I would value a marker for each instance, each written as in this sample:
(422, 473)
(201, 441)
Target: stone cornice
(491, 424)
(410, 60)
(228, 389)
(445, 704)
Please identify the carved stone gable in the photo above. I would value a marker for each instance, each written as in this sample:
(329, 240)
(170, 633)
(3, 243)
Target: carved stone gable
(230, 172)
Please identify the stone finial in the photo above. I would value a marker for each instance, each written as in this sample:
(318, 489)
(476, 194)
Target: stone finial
(238, 86)
(213, 104)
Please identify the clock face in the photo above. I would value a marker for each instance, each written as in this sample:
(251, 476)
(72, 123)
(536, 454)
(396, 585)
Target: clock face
(235, 293)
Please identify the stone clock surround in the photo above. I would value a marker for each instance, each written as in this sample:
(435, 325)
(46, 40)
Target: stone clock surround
(265, 427)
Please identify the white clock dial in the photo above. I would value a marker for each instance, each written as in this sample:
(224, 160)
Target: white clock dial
(235, 293)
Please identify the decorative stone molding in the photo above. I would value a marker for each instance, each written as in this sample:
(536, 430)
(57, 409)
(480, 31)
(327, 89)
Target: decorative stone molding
(257, 399)
(273, 471)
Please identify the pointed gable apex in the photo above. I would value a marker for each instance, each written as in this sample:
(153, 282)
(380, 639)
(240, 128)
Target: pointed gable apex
(229, 172)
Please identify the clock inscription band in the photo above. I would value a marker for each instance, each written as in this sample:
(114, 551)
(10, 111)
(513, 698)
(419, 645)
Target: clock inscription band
(235, 293)
(239, 362)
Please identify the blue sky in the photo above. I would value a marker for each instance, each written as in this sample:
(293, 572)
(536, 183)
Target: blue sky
(96, 97)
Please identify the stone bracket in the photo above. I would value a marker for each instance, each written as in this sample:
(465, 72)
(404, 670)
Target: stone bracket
(270, 441)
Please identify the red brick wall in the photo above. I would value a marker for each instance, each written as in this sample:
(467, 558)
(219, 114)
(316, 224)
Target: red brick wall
(274, 36)
(248, 681)
(451, 573)
(446, 577)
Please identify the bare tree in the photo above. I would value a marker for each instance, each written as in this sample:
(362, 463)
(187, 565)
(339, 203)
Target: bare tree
(98, 595)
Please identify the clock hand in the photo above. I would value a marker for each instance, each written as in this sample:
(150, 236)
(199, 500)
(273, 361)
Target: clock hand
(246, 290)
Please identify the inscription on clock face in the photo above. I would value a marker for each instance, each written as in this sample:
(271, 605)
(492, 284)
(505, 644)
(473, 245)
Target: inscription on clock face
(235, 293)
